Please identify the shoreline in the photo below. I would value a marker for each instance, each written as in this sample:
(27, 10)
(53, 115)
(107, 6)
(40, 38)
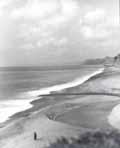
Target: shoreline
(45, 124)
(72, 110)
(45, 101)
(47, 91)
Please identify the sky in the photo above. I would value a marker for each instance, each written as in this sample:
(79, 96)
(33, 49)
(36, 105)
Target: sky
(57, 32)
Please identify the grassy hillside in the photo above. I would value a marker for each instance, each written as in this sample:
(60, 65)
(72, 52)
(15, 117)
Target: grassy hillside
(98, 139)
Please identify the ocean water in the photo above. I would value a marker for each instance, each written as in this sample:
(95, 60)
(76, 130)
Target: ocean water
(20, 86)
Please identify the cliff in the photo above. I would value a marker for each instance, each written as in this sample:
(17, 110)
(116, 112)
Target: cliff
(107, 61)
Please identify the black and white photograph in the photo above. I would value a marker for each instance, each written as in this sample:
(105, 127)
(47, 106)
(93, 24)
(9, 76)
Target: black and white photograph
(59, 73)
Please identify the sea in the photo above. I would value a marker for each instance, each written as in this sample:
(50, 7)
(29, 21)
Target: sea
(21, 85)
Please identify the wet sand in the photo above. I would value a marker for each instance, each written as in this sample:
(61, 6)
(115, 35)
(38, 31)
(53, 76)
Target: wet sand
(90, 115)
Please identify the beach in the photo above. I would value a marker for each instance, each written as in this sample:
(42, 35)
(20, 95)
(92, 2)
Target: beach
(59, 74)
(56, 115)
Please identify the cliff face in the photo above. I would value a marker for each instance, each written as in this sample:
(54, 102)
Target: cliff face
(113, 61)
(107, 61)
(117, 60)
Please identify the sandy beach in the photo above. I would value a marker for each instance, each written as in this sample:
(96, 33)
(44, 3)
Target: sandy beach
(59, 74)
(66, 116)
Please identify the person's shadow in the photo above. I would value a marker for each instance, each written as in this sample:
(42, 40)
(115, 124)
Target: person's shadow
(39, 139)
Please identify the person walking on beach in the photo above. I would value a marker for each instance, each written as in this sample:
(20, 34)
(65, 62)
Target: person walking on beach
(35, 136)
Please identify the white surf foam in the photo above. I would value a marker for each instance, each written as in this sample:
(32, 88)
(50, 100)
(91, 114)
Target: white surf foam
(10, 107)
(60, 87)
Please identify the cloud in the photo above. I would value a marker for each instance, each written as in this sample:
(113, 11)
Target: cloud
(4, 3)
(46, 10)
(27, 46)
(58, 42)
(94, 33)
(97, 15)
(62, 41)
(40, 20)
(36, 9)
(97, 24)
(50, 28)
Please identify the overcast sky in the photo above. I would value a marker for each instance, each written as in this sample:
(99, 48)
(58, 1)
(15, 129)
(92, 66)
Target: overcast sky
(57, 32)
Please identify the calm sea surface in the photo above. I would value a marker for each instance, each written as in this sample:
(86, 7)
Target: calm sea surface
(17, 81)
